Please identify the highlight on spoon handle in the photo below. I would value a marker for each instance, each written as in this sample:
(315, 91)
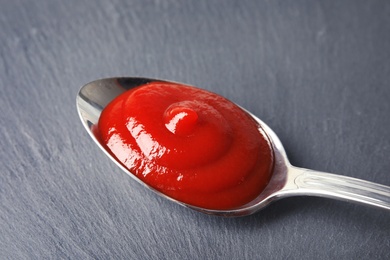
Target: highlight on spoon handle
(310, 182)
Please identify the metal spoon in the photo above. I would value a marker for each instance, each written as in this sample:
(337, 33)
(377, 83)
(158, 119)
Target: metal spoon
(286, 180)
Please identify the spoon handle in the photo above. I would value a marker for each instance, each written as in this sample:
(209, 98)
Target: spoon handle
(310, 182)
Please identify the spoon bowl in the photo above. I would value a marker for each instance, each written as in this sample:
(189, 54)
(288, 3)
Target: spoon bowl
(286, 180)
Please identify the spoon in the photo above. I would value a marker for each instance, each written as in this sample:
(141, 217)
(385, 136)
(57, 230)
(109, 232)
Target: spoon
(286, 180)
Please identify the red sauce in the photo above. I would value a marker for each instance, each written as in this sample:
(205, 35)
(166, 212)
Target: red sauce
(190, 144)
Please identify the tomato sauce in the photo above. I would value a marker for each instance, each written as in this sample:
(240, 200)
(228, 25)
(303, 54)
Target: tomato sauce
(188, 143)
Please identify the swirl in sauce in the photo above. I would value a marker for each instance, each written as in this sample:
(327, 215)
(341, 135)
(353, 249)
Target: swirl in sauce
(190, 144)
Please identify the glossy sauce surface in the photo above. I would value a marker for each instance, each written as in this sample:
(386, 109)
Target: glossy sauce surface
(190, 144)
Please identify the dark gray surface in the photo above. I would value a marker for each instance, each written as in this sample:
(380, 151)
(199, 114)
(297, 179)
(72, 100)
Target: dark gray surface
(318, 72)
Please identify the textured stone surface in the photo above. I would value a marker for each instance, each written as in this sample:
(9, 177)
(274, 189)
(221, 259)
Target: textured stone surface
(318, 72)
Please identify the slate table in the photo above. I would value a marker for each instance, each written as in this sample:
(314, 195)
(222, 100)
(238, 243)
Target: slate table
(317, 72)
